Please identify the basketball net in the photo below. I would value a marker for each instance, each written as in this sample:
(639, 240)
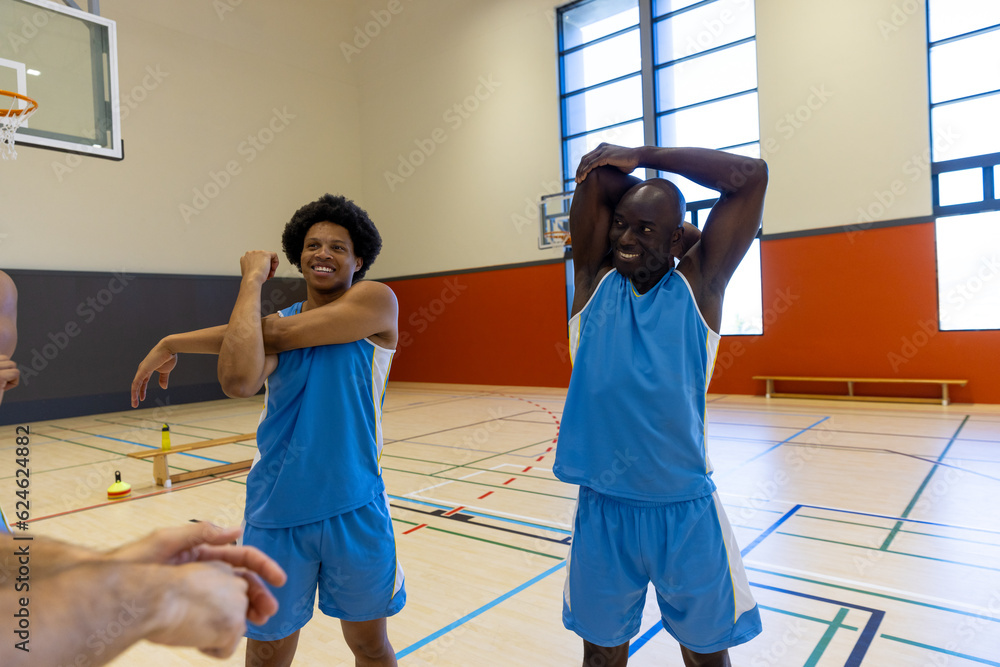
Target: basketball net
(557, 237)
(13, 116)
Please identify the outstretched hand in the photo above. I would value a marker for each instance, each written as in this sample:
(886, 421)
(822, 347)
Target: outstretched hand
(625, 159)
(159, 360)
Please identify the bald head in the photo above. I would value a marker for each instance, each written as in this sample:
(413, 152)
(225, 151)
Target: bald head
(659, 197)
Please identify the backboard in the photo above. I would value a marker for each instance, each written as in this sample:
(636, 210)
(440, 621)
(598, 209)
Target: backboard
(67, 60)
(553, 220)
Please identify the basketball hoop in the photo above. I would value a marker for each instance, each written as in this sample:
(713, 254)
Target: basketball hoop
(557, 237)
(12, 116)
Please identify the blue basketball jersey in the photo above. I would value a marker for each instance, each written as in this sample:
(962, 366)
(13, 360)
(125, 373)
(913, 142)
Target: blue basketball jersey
(320, 435)
(634, 421)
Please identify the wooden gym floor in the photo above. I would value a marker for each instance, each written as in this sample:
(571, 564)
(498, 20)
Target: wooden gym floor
(869, 531)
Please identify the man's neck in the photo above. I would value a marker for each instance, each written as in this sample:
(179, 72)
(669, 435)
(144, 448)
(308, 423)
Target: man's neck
(316, 299)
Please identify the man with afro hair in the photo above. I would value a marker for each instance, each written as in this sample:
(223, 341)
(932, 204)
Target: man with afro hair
(315, 501)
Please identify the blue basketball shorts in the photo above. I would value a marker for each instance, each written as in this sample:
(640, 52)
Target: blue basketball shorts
(688, 552)
(350, 558)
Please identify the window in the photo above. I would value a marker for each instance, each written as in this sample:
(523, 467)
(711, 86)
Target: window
(964, 70)
(696, 87)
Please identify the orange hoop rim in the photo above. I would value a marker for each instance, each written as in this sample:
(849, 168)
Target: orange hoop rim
(31, 108)
(557, 235)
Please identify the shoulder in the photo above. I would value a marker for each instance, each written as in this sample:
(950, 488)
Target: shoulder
(7, 287)
(8, 293)
(372, 292)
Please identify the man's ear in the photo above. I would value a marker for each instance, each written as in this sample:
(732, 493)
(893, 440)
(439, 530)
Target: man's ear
(677, 242)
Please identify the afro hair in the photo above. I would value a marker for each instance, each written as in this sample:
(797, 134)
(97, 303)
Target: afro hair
(340, 211)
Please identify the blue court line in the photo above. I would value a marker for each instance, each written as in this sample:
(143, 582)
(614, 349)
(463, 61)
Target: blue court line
(970, 658)
(483, 515)
(771, 449)
(897, 553)
(867, 633)
(854, 659)
(951, 610)
(129, 442)
(649, 634)
(646, 636)
(923, 485)
(468, 617)
(773, 527)
(890, 518)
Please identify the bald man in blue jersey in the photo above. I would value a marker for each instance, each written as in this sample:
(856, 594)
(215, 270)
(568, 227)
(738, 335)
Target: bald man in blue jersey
(643, 339)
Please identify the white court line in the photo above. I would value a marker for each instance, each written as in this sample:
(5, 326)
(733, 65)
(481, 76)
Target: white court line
(905, 594)
(478, 472)
(491, 510)
(520, 466)
(450, 481)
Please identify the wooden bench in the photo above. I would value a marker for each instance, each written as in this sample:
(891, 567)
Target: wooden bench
(159, 456)
(851, 396)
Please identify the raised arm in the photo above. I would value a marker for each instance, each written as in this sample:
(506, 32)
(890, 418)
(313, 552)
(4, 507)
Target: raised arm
(597, 193)
(731, 225)
(243, 362)
(735, 219)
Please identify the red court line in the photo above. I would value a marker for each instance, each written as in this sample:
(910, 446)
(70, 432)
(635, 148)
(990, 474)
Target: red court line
(213, 478)
(484, 495)
(526, 469)
(540, 457)
(460, 507)
(510, 480)
(414, 528)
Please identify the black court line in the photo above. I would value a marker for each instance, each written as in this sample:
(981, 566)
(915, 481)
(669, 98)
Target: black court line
(455, 428)
(468, 518)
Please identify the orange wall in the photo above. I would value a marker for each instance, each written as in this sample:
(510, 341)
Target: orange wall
(861, 303)
(501, 327)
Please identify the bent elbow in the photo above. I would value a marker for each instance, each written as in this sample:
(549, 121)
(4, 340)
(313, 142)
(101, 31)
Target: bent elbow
(236, 385)
(237, 390)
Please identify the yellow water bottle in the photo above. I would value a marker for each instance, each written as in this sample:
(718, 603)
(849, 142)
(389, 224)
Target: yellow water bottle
(165, 437)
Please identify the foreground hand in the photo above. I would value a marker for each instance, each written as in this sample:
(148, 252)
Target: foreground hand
(259, 264)
(205, 542)
(204, 605)
(159, 360)
(625, 159)
(9, 373)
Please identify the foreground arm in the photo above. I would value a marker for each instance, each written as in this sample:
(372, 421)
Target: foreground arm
(180, 586)
(97, 610)
(9, 374)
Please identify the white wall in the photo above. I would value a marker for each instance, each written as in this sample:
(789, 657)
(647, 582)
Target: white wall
(844, 117)
(359, 106)
(197, 80)
(470, 178)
